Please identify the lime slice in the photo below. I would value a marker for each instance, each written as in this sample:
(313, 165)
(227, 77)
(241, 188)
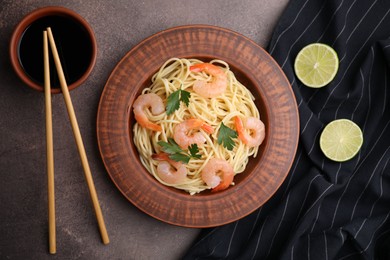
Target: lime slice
(341, 140)
(316, 65)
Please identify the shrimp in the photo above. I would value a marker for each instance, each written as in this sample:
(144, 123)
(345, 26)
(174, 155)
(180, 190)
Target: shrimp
(184, 139)
(210, 89)
(257, 130)
(165, 169)
(145, 101)
(218, 174)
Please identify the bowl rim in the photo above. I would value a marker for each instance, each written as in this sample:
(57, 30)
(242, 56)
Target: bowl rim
(164, 211)
(32, 17)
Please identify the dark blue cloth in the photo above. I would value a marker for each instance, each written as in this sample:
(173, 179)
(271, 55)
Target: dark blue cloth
(326, 209)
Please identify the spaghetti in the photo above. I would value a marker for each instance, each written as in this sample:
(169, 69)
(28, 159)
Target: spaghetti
(235, 101)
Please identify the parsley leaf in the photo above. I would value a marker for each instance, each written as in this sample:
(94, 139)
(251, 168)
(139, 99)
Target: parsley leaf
(226, 136)
(179, 157)
(177, 154)
(173, 101)
(185, 97)
(193, 148)
(170, 147)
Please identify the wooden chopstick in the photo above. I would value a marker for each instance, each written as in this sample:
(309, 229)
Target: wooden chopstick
(79, 141)
(49, 148)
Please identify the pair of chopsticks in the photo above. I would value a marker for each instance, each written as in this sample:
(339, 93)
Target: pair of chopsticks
(48, 37)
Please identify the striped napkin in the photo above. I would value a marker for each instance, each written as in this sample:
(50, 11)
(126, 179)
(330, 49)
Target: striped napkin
(326, 209)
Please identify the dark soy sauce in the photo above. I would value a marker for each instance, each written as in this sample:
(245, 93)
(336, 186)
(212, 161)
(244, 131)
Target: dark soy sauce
(73, 44)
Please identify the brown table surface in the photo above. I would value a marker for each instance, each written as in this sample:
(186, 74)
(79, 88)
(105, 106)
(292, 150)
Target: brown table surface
(119, 25)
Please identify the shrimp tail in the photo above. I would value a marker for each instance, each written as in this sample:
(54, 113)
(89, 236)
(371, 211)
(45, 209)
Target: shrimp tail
(240, 129)
(218, 174)
(154, 127)
(160, 156)
(197, 67)
(148, 124)
(197, 123)
(221, 186)
(207, 128)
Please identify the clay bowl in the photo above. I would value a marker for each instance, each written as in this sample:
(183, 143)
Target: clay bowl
(75, 40)
(253, 67)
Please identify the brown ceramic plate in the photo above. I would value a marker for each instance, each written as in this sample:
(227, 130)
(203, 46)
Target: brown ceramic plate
(275, 100)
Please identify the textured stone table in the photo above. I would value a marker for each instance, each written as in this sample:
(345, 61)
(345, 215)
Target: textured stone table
(119, 25)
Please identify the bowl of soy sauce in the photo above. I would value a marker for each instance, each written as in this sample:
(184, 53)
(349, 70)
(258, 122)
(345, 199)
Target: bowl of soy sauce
(76, 45)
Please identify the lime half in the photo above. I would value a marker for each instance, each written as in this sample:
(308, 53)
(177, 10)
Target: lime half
(316, 65)
(341, 140)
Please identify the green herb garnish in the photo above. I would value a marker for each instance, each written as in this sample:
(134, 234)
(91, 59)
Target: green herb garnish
(226, 136)
(177, 154)
(193, 148)
(173, 102)
(170, 147)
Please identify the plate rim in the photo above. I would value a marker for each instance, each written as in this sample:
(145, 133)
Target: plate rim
(186, 196)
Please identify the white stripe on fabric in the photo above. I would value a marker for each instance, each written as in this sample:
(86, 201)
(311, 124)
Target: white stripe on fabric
(342, 236)
(288, 28)
(293, 81)
(291, 175)
(345, 23)
(360, 21)
(212, 251)
(381, 188)
(315, 141)
(369, 91)
(369, 244)
(379, 237)
(304, 200)
(353, 59)
(253, 227)
(255, 222)
(319, 197)
(358, 25)
(361, 226)
(376, 230)
(368, 183)
(326, 245)
(372, 148)
(258, 239)
(315, 220)
(297, 39)
(308, 246)
(355, 172)
(231, 239)
(330, 21)
(385, 94)
(292, 253)
(342, 58)
(337, 173)
(280, 223)
(342, 103)
(307, 122)
(361, 96)
(300, 102)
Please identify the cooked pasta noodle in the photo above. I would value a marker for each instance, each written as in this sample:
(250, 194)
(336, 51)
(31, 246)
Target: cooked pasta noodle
(235, 101)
